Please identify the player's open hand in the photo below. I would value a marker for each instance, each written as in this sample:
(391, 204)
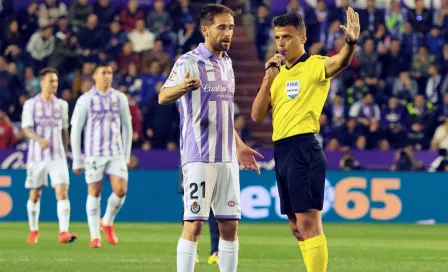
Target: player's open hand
(353, 29)
(44, 143)
(246, 157)
(77, 171)
(191, 84)
(273, 71)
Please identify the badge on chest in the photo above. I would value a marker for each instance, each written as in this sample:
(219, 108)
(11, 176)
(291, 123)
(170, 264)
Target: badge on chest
(292, 88)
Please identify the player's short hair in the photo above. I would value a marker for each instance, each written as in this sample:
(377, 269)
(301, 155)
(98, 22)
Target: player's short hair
(101, 64)
(290, 19)
(47, 71)
(209, 12)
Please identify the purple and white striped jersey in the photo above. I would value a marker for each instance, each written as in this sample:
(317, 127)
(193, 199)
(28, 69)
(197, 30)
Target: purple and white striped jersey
(101, 116)
(206, 114)
(47, 119)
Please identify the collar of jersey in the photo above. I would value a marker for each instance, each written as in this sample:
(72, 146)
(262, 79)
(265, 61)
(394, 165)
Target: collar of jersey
(102, 93)
(47, 102)
(303, 58)
(203, 50)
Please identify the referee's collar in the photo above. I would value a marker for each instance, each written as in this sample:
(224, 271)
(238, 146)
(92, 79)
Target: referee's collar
(303, 58)
(203, 50)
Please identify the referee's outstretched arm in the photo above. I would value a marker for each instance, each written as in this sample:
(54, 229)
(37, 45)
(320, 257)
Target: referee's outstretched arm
(338, 62)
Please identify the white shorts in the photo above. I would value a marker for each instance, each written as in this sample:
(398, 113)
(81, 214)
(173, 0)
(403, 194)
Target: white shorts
(96, 167)
(37, 173)
(211, 185)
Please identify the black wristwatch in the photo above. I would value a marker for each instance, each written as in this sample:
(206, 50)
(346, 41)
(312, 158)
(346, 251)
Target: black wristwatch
(350, 42)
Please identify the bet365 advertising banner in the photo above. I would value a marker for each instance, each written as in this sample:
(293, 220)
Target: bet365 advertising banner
(349, 196)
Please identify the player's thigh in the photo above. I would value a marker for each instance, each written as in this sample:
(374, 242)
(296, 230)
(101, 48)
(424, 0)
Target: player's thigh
(226, 200)
(116, 167)
(199, 183)
(36, 175)
(58, 171)
(95, 167)
(318, 168)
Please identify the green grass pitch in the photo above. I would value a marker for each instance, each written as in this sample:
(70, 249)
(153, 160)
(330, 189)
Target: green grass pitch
(263, 247)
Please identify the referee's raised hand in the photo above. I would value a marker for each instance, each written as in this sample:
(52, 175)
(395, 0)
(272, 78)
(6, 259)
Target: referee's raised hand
(273, 65)
(191, 84)
(353, 29)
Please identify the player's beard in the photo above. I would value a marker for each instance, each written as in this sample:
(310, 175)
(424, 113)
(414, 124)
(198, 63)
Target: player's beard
(219, 46)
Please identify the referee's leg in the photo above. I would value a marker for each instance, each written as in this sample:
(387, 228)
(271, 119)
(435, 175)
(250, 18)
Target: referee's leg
(309, 215)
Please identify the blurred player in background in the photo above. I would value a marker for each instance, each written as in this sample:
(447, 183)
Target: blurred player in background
(296, 92)
(212, 222)
(102, 113)
(45, 123)
(204, 82)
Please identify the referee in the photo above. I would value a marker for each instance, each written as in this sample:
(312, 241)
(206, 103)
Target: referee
(296, 92)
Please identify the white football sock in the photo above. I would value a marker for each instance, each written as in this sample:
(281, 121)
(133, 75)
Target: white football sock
(228, 255)
(93, 216)
(64, 215)
(114, 204)
(186, 255)
(33, 214)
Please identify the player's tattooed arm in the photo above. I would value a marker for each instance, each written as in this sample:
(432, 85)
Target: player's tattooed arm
(31, 134)
(65, 138)
(338, 62)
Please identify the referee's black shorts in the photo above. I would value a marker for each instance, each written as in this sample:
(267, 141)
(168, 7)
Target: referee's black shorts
(300, 167)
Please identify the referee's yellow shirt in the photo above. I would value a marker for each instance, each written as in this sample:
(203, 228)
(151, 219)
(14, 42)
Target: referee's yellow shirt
(298, 95)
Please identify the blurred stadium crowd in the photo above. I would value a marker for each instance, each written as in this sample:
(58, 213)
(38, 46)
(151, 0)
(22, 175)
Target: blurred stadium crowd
(393, 95)
(140, 44)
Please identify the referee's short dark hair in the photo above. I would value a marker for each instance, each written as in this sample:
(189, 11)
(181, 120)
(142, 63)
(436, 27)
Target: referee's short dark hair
(209, 12)
(290, 19)
(46, 71)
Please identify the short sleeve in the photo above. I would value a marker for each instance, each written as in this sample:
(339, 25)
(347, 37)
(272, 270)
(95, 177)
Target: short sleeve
(180, 69)
(319, 68)
(27, 114)
(65, 122)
